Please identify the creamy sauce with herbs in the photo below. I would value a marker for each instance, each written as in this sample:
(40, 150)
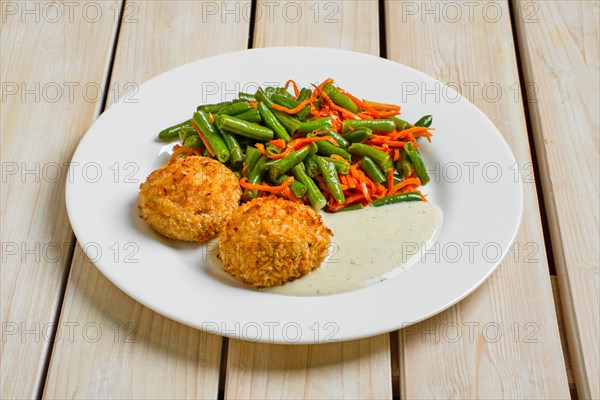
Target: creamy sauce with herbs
(369, 245)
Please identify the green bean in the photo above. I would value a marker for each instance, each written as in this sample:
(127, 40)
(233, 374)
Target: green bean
(341, 141)
(369, 168)
(298, 188)
(331, 179)
(315, 196)
(272, 122)
(342, 167)
(290, 123)
(211, 136)
(417, 162)
(282, 91)
(251, 115)
(262, 97)
(186, 132)
(270, 91)
(339, 98)
(315, 125)
(272, 150)
(358, 135)
(283, 165)
(376, 125)
(304, 94)
(193, 141)
(252, 156)
(400, 124)
(357, 206)
(425, 121)
(246, 97)
(172, 132)
(403, 164)
(213, 108)
(313, 149)
(382, 158)
(235, 108)
(397, 198)
(327, 149)
(236, 157)
(284, 101)
(312, 168)
(255, 178)
(244, 128)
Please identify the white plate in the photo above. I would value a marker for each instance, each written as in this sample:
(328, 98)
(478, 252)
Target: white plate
(482, 211)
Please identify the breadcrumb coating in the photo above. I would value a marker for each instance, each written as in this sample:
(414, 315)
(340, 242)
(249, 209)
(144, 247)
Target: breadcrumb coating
(189, 199)
(270, 241)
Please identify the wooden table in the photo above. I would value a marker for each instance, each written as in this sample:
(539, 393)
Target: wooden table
(531, 331)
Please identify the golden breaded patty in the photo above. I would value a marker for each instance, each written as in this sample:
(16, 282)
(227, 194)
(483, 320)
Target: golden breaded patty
(189, 199)
(270, 241)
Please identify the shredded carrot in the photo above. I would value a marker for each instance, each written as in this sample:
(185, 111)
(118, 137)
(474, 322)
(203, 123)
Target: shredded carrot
(266, 188)
(396, 154)
(301, 142)
(371, 111)
(211, 118)
(261, 148)
(178, 150)
(337, 157)
(365, 191)
(390, 179)
(280, 143)
(294, 110)
(296, 90)
(382, 106)
(206, 144)
(404, 183)
(253, 104)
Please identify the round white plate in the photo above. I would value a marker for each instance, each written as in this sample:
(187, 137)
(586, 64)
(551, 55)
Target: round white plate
(474, 180)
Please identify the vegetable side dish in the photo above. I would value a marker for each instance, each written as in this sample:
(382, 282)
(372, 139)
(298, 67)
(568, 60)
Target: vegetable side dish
(323, 147)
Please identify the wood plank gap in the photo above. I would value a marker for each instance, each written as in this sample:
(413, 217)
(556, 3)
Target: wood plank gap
(251, 24)
(382, 30)
(223, 368)
(73, 241)
(532, 144)
(395, 359)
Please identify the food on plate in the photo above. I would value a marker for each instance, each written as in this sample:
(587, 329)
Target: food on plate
(270, 241)
(189, 198)
(285, 150)
(320, 146)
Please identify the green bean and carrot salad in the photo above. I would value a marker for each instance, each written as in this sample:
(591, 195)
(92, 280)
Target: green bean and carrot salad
(320, 146)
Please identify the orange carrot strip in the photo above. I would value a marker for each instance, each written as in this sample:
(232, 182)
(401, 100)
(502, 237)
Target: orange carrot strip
(261, 149)
(266, 188)
(382, 106)
(365, 191)
(301, 142)
(296, 109)
(206, 144)
(372, 112)
(404, 183)
(211, 118)
(296, 90)
(280, 143)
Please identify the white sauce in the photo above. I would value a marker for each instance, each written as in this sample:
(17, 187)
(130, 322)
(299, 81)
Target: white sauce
(369, 245)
